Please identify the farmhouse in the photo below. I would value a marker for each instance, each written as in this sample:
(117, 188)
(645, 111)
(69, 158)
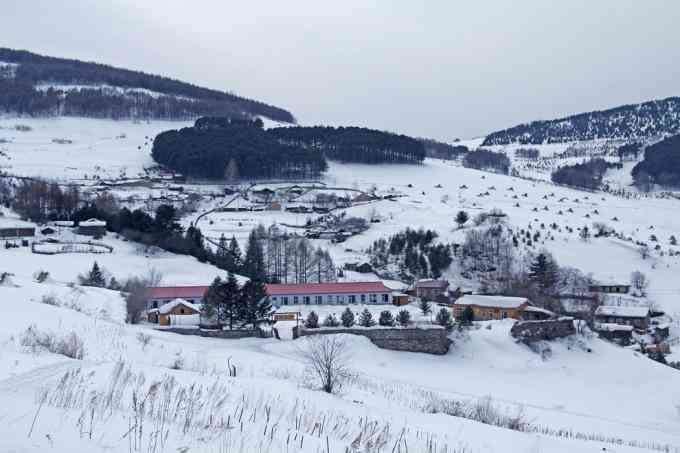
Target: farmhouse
(92, 227)
(637, 317)
(431, 289)
(487, 308)
(329, 293)
(179, 312)
(15, 228)
(158, 296)
(610, 288)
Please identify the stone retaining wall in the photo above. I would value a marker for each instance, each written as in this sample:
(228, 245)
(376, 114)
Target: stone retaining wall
(530, 331)
(226, 334)
(428, 340)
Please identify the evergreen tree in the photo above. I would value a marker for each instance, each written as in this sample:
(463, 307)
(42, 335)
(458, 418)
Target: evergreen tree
(467, 316)
(255, 303)
(584, 234)
(404, 318)
(114, 285)
(253, 264)
(312, 321)
(234, 256)
(331, 321)
(213, 301)
(366, 319)
(386, 318)
(347, 318)
(425, 306)
(461, 218)
(543, 272)
(444, 317)
(223, 301)
(221, 254)
(94, 277)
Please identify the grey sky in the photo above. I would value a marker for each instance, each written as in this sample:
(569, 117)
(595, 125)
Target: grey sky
(442, 69)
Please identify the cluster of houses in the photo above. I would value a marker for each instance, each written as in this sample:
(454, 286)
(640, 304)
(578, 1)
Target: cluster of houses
(19, 229)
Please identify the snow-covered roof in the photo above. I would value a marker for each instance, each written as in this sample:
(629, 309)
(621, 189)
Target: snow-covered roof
(167, 308)
(492, 301)
(92, 223)
(622, 312)
(538, 310)
(611, 327)
(13, 222)
(430, 283)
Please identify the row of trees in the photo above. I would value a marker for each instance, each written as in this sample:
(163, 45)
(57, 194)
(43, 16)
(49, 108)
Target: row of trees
(440, 150)
(236, 149)
(33, 68)
(587, 175)
(482, 159)
(414, 253)
(227, 303)
(353, 144)
(40, 200)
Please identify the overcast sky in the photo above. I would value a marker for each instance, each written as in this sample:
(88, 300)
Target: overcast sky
(441, 69)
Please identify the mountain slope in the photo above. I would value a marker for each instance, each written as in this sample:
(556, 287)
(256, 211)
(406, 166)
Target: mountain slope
(635, 121)
(42, 85)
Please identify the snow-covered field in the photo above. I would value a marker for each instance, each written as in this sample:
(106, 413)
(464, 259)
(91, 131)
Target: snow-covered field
(597, 392)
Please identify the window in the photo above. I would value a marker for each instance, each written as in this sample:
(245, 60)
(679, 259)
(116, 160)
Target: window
(374, 298)
(341, 299)
(181, 311)
(385, 298)
(363, 298)
(285, 300)
(306, 300)
(319, 300)
(352, 299)
(330, 299)
(274, 299)
(504, 314)
(295, 300)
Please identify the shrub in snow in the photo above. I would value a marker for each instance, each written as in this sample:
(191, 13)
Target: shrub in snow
(69, 345)
(144, 339)
(312, 321)
(94, 277)
(444, 317)
(331, 321)
(326, 358)
(467, 316)
(178, 362)
(425, 306)
(40, 276)
(366, 319)
(386, 318)
(347, 318)
(50, 299)
(404, 318)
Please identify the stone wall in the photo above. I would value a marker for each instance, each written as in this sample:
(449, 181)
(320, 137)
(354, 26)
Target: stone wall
(226, 334)
(431, 340)
(530, 331)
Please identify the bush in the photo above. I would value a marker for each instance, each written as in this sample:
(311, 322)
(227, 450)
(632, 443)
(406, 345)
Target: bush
(467, 316)
(386, 319)
(404, 318)
(331, 321)
(312, 321)
(366, 319)
(347, 318)
(50, 299)
(444, 317)
(425, 307)
(144, 339)
(40, 276)
(69, 345)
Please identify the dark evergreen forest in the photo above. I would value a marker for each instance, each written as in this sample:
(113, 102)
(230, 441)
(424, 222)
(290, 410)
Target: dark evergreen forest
(179, 100)
(233, 149)
(353, 144)
(661, 164)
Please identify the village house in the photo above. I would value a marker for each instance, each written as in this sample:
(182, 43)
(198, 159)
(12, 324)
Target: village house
(15, 229)
(610, 288)
(637, 317)
(431, 289)
(157, 296)
(485, 308)
(179, 312)
(618, 333)
(329, 293)
(92, 227)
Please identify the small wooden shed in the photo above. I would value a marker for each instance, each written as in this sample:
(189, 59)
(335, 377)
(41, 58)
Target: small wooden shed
(177, 307)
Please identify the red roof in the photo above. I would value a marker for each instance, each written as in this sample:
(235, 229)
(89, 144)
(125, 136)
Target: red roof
(174, 292)
(326, 288)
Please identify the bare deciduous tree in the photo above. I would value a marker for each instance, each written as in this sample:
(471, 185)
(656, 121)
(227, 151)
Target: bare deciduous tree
(326, 358)
(639, 282)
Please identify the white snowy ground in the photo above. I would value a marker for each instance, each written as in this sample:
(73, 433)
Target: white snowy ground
(99, 147)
